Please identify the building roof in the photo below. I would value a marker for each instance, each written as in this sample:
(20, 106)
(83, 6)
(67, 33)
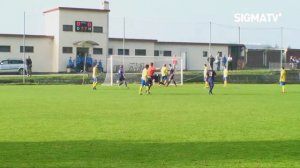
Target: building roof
(197, 43)
(132, 39)
(26, 35)
(76, 9)
(261, 47)
(171, 42)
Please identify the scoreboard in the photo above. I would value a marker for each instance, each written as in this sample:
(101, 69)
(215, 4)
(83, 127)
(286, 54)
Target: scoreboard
(83, 26)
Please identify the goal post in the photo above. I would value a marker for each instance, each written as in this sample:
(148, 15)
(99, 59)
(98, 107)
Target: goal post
(133, 66)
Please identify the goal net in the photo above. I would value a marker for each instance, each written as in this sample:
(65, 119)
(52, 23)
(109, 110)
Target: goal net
(134, 65)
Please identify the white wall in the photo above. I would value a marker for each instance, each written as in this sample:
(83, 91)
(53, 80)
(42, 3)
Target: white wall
(194, 52)
(41, 57)
(67, 39)
(52, 28)
(132, 45)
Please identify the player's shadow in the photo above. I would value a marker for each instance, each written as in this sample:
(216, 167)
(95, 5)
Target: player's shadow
(103, 153)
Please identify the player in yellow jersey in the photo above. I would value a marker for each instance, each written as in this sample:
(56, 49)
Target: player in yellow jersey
(144, 79)
(282, 79)
(164, 74)
(95, 76)
(205, 76)
(225, 75)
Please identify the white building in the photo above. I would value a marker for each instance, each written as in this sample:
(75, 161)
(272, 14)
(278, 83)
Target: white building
(76, 31)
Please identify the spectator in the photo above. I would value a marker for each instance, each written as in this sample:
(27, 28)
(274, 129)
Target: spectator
(218, 62)
(79, 63)
(230, 63)
(224, 61)
(29, 66)
(95, 62)
(100, 67)
(70, 63)
(211, 61)
(292, 62)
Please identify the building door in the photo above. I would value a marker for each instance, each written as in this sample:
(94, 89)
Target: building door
(236, 52)
(81, 51)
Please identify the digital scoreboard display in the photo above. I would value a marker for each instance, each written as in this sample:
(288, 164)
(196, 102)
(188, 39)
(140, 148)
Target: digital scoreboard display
(83, 26)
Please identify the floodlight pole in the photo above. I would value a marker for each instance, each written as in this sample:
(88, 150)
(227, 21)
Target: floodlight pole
(24, 28)
(281, 46)
(111, 70)
(181, 69)
(209, 46)
(124, 32)
(84, 68)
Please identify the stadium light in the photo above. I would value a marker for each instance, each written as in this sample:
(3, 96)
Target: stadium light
(24, 31)
(281, 41)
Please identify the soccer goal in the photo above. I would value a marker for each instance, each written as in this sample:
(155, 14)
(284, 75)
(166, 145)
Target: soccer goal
(133, 66)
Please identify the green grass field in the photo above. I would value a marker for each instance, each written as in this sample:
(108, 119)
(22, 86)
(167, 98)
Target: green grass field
(239, 126)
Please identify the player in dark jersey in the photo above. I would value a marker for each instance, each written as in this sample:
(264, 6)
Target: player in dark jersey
(121, 75)
(211, 74)
(171, 75)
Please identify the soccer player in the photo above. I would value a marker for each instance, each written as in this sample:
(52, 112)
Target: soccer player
(174, 61)
(151, 77)
(282, 79)
(164, 74)
(211, 74)
(144, 80)
(225, 75)
(95, 76)
(205, 76)
(121, 75)
(171, 75)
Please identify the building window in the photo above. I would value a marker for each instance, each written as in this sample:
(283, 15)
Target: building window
(156, 52)
(68, 28)
(168, 53)
(205, 53)
(98, 29)
(140, 52)
(4, 62)
(67, 50)
(120, 52)
(15, 61)
(110, 51)
(97, 51)
(28, 49)
(4, 48)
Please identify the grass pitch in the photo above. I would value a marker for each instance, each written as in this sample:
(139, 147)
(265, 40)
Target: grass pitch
(73, 126)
